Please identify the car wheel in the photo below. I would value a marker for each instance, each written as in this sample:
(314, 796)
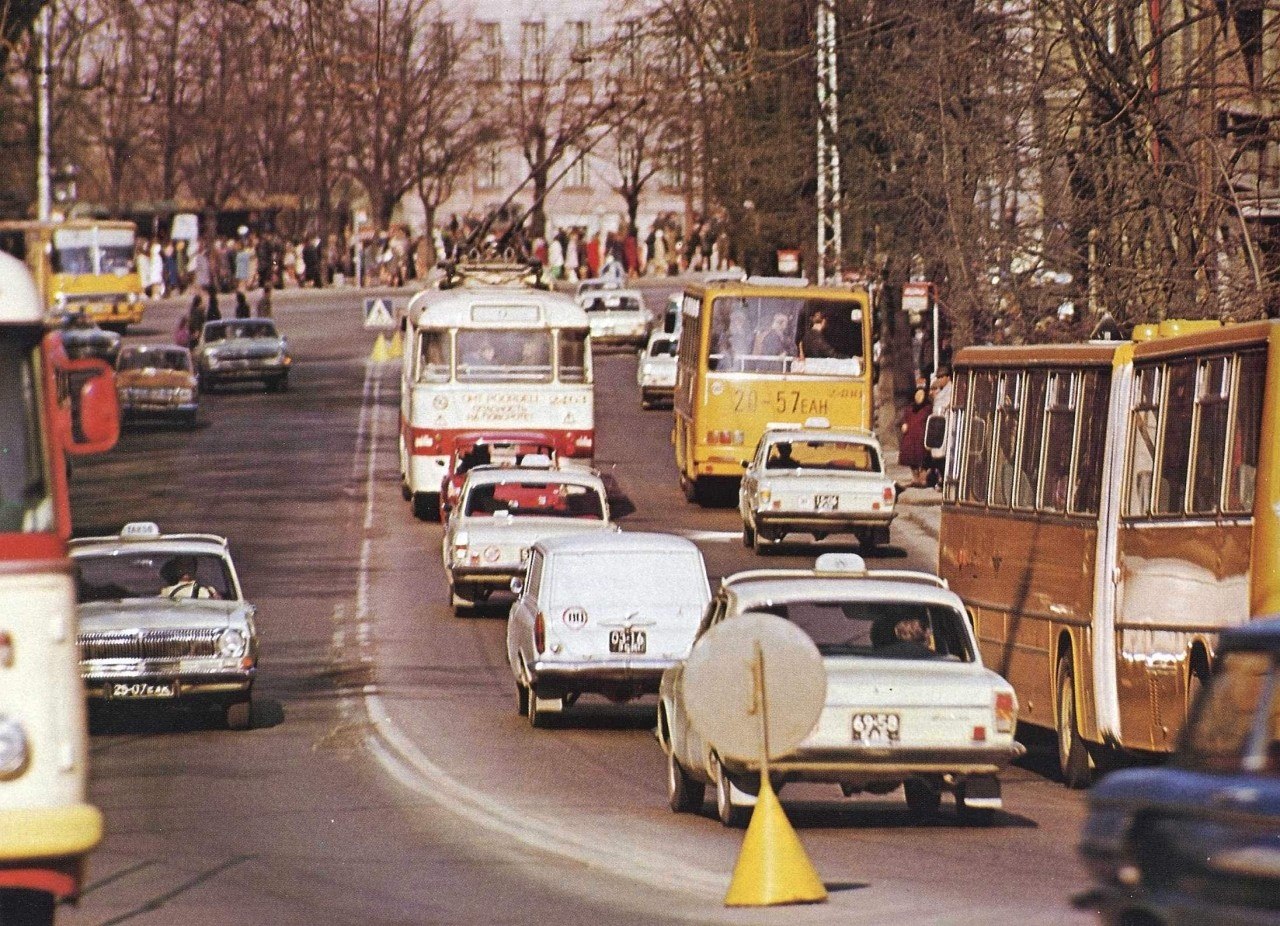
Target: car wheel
(974, 816)
(405, 492)
(688, 488)
(923, 799)
(538, 719)
(461, 605)
(239, 715)
(425, 507)
(748, 536)
(684, 795)
(22, 907)
(1073, 755)
(191, 420)
(868, 539)
(522, 698)
(761, 541)
(734, 816)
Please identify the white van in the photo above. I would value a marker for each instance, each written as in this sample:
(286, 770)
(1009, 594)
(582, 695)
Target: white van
(602, 614)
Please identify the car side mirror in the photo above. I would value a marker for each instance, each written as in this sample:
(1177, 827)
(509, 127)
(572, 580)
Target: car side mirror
(935, 432)
(517, 586)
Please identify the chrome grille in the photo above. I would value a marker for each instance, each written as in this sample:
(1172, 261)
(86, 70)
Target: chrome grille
(149, 644)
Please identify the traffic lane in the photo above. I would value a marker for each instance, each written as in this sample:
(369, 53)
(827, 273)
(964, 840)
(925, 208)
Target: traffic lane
(289, 822)
(597, 778)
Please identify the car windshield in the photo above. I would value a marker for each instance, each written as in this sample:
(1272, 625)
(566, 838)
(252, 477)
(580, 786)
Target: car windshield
(844, 456)
(785, 334)
(662, 347)
(148, 574)
(1220, 734)
(493, 355)
(154, 360)
(612, 302)
(247, 329)
(622, 580)
(549, 498)
(880, 629)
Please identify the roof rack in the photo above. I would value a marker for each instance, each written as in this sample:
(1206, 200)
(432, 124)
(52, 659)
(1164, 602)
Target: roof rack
(492, 273)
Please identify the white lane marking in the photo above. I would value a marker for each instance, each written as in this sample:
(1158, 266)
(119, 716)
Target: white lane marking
(402, 758)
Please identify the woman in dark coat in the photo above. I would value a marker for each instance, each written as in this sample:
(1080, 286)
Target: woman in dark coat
(911, 450)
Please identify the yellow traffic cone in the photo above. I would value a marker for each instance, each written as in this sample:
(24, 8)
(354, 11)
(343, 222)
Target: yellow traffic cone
(379, 350)
(395, 350)
(773, 867)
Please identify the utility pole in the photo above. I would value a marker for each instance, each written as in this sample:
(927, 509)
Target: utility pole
(829, 230)
(44, 192)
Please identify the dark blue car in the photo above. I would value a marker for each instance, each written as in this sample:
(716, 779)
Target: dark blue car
(1198, 841)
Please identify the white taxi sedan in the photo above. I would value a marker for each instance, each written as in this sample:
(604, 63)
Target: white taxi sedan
(817, 480)
(616, 316)
(656, 370)
(602, 614)
(909, 703)
(503, 511)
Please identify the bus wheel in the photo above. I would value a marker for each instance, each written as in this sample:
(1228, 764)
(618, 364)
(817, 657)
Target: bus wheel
(1073, 756)
(21, 907)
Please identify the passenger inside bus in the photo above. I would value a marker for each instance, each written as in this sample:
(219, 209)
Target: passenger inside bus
(762, 334)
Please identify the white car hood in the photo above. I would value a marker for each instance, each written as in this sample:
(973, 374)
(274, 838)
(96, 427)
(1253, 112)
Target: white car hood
(160, 614)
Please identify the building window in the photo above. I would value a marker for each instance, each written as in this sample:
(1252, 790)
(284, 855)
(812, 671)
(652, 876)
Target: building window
(533, 49)
(579, 176)
(491, 51)
(629, 41)
(489, 172)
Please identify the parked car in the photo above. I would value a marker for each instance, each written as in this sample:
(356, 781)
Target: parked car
(83, 338)
(909, 703)
(656, 369)
(163, 618)
(602, 614)
(616, 316)
(235, 350)
(1198, 840)
(157, 379)
(503, 512)
(817, 480)
(472, 450)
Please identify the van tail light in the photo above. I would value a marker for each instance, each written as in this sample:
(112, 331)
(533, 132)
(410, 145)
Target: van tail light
(540, 633)
(6, 650)
(890, 494)
(1006, 711)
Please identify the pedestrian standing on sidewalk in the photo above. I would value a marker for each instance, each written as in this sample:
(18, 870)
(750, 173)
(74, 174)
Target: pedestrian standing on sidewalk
(941, 406)
(911, 452)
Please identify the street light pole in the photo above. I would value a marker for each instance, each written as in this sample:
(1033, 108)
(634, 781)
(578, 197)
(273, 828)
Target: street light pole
(829, 224)
(44, 189)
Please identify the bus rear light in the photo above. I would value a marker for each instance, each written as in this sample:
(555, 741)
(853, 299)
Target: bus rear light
(1006, 711)
(6, 650)
(726, 438)
(540, 632)
(585, 441)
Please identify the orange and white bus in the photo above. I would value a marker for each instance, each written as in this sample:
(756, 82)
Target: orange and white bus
(1108, 509)
(47, 827)
(81, 265)
(759, 353)
(491, 360)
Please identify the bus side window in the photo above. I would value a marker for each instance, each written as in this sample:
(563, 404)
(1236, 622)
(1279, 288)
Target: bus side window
(1246, 432)
(1142, 443)
(977, 449)
(14, 243)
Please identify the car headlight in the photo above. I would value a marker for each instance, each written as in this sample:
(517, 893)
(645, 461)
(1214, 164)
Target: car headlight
(13, 748)
(231, 644)
(183, 395)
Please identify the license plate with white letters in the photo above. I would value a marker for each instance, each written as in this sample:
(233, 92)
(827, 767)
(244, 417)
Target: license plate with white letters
(870, 729)
(136, 690)
(628, 641)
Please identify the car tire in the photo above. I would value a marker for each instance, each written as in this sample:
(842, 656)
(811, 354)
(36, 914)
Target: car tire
(1073, 756)
(462, 606)
(239, 715)
(734, 816)
(923, 799)
(522, 698)
(22, 907)
(970, 815)
(868, 539)
(405, 492)
(761, 542)
(538, 719)
(684, 794)
(191, 419)
(748, 536)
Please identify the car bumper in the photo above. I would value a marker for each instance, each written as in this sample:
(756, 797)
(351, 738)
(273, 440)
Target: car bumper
(639, 676)
(492, 577)
(112, 313)
(244, 369)
(187, 681)
(822, 521)
(634, 338)
(159, 408)
(875, 762)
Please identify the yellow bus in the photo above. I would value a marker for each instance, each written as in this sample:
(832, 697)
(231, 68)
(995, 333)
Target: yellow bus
(1108, 509)
(758, 353)
(81, 265)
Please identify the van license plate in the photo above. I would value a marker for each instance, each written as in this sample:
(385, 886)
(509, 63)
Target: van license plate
(876, 729)
(128, 690)
(826, 502)
(630, 641)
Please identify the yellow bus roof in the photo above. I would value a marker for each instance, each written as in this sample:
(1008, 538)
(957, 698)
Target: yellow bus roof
(781, 290)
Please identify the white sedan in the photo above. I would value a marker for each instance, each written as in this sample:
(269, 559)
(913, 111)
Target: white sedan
(817, 480)
(617, 316)
(656, 370)
(909, 703)
(602, 614)
(503, 511)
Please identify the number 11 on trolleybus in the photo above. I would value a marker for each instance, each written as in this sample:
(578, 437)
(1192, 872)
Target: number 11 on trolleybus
(1108, 509)
(488, 361)
(49, 406)
(759, 353)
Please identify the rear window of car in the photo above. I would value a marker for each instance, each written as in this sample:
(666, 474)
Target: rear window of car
(844, 456)
(618, 579)
(880, 629)
(542, 499)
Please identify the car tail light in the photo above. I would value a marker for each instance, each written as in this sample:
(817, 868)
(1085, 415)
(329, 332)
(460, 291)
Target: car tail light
(6, 650)
(540, 632)
(585, 441)
(889, 494)
(1006, 711)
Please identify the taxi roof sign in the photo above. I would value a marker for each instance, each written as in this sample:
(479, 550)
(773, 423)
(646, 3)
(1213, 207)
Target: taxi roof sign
(140, 529)
(536, 461)
(817, 423)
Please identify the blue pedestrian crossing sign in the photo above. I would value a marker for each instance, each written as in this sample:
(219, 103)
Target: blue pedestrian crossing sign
(377, 314)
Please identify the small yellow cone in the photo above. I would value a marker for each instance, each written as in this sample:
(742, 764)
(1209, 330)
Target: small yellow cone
(773, 867)
(395, 350)
(380, 350)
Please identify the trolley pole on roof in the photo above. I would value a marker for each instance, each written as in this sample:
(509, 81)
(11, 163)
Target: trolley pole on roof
(829, 230)
(44, 194)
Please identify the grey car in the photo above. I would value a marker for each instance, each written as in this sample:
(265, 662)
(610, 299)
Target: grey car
(241, 350)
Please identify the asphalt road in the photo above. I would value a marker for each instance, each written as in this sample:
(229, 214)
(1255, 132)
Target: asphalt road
(388, 779)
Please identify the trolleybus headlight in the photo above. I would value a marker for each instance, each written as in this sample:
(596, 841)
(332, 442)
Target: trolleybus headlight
(231, 644)
(13, 748)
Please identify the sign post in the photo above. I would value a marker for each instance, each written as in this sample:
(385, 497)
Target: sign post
(918, 299)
